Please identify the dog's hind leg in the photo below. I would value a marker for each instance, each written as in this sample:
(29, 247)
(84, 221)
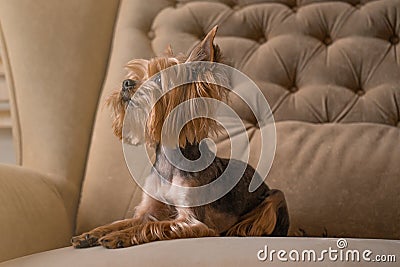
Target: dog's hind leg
(270, 218)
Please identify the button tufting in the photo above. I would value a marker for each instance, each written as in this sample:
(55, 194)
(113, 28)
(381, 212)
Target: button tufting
(295, 9)
(294, 89)
(328, 40)
(151, 35)
(175, 3)
(360, 92)
(358, 6)
(236, 8)
(394, 39)
(262, 40)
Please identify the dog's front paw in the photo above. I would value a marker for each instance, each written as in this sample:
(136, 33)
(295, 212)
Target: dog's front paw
(85, 240)
(116, 240)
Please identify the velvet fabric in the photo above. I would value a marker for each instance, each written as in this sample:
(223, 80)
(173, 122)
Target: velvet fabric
(330, 71)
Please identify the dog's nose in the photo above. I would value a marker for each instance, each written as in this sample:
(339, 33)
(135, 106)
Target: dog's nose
(128, 84)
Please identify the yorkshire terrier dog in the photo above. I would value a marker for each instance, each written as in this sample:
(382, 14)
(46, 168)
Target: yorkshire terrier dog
(238, 213)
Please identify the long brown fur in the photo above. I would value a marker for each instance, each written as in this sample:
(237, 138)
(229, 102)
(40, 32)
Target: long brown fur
(238, 213)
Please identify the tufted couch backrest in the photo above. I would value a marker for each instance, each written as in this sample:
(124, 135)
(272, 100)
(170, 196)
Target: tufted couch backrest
(315, 61)
(330, 71)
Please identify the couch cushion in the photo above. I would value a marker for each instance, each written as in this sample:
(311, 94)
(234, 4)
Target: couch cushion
(33, 217)
(209, 252)
(329, 70)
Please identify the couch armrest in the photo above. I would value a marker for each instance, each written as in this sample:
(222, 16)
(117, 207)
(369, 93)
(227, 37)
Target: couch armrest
(33, 217)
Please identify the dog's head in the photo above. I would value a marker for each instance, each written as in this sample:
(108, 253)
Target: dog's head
(148, 111)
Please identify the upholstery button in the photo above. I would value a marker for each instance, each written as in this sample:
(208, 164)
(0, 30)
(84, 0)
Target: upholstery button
(262, 40)
(294, 89)
(360, 92)
(327, 40)
(295, 8)
(151, 35)
(236, 8)
(394, 39)
(358, 6)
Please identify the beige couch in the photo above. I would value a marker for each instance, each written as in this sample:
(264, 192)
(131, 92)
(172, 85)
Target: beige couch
(329, 69)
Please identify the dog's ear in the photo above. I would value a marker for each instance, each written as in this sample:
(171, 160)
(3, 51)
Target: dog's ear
(206, 50)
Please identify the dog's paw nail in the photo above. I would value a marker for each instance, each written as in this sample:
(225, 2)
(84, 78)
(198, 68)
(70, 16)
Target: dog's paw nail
(80, 244)
(84, 241)
(120, 244)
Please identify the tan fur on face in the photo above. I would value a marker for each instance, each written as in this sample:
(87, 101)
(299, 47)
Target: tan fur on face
(141, 70)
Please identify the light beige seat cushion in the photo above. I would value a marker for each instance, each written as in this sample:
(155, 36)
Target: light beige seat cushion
(207, 252)
(31, 211)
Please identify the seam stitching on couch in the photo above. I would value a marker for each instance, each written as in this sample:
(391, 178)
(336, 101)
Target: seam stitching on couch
(349, 106)
(398, 110)
(12, 94)
(246, 58)
(279, 102)
(377, 65)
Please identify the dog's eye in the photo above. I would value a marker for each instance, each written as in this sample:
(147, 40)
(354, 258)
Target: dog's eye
(157, 80)
(128, 84)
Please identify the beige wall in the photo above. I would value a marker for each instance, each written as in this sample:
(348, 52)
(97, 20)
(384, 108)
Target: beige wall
(6, 146)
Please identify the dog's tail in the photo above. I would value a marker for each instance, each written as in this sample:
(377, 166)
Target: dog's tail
(270, 218)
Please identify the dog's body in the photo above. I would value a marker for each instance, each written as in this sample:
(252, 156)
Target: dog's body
(238, 213)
